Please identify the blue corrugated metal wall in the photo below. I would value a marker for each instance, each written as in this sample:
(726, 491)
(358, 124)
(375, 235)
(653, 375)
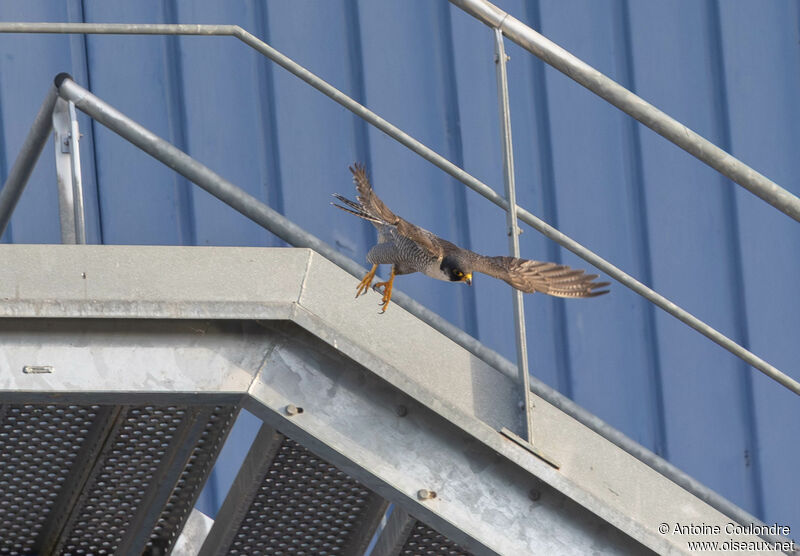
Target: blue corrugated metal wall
(729, 70)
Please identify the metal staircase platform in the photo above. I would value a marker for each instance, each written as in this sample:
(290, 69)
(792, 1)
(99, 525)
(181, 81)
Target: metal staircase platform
(122, 369)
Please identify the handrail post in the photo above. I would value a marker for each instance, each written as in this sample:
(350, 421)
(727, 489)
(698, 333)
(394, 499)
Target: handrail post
(68, 172)
(77, 182)
(26, 159)
(513, 226)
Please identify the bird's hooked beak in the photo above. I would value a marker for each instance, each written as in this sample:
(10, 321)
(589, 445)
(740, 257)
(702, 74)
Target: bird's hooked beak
(468, 279)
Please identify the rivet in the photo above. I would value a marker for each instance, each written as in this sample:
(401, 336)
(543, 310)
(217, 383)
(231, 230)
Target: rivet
(425, 494)
(401, 410)
(292, 409)
(534, 494)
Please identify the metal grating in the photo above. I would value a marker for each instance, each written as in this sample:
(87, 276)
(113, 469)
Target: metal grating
(38, 447)
(303, 506)
(424, 541)
(192, 479)
(87, 479)
(113, 497)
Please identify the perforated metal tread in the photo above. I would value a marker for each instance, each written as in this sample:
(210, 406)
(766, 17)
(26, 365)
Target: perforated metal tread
(404, 535)
(94, 479)
(287, 500)
(305, 505)
(30, 477)
(424, 541)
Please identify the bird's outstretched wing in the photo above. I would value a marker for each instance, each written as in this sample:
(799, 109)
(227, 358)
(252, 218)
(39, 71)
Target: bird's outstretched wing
(370, 207)
(536, 276)
(367, 197)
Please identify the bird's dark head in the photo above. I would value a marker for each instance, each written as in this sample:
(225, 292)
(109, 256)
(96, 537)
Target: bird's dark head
(456, 270)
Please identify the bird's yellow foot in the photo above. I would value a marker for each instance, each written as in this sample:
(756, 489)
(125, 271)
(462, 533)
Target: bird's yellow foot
(387, 291)
(364, 285)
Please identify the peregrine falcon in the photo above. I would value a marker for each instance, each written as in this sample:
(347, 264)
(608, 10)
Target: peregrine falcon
(409, 248)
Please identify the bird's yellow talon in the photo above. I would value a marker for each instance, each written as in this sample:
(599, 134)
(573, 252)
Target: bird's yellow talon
(364, 285)
(387, 291)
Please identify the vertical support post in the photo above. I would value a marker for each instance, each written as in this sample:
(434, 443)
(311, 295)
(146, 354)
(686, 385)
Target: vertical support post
(513, 226)
(77, 183)
(26, 159)
(68, 173)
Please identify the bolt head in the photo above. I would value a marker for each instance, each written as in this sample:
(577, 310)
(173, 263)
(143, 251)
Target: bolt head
(292, 409)
(425, 494)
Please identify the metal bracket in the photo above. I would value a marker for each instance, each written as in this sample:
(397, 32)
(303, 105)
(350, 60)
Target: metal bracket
(63, 140)
(530, 447)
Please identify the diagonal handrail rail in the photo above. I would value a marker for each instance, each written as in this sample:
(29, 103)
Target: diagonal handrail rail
(436, 159)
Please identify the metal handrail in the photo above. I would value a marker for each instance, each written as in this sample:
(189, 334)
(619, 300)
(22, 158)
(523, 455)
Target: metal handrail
(429, 154)
(611, 91)
(264, 215)
(29, 153)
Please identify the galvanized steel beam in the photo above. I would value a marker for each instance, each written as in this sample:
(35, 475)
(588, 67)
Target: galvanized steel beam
(419, 460)
(371, 405)
(194, 534)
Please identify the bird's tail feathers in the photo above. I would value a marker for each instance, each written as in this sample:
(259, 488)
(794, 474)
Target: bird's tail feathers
(355, 208)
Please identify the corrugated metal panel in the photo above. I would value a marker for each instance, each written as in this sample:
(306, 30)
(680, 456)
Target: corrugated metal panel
(765, 130)
(729, 70)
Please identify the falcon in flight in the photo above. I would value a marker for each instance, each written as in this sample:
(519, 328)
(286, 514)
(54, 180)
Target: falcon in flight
(409, 248)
